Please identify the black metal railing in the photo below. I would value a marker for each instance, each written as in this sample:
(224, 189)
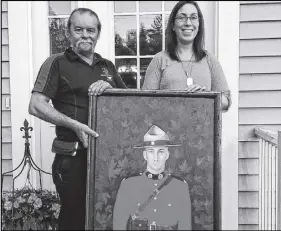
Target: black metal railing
(26, 162)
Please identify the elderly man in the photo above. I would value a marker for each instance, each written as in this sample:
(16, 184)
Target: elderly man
(67, 78)
(155, 200)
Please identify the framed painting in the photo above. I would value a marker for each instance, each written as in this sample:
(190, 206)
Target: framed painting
(123, 118)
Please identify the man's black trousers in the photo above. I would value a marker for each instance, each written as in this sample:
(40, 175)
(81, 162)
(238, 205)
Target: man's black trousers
(69, 177)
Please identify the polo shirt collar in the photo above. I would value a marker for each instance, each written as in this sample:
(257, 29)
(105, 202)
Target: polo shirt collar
(72, 56)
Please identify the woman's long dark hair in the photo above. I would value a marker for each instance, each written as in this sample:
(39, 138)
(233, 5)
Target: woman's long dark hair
(171, 37)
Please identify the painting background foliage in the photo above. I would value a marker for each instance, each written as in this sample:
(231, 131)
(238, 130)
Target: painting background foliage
(121, 123)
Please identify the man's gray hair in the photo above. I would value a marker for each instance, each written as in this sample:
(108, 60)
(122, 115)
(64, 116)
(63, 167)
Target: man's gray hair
(83, 11)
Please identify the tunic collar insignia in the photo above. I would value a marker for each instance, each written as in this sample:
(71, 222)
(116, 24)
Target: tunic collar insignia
(155, 176)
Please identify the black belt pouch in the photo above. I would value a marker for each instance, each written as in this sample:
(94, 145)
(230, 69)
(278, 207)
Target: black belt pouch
(64, 147)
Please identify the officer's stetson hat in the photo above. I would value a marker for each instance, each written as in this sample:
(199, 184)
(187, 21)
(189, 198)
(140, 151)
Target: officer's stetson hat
(156, 137)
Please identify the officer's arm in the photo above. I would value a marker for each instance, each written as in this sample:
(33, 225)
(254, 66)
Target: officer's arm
(121, 210)
(185, 222)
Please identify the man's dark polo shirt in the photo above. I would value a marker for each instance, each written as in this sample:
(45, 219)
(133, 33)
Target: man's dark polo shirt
(65, 78)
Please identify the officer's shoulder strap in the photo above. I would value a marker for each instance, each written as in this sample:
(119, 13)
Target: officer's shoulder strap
(179, 178)
(134, 175)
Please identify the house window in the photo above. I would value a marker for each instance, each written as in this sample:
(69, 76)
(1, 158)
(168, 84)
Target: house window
(139, 35)
(59, 12)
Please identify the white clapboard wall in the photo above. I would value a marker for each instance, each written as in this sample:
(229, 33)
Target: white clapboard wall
(6, 140)
(259, 96)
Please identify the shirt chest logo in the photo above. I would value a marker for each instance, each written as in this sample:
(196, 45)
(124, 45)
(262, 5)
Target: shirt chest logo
(105, 73)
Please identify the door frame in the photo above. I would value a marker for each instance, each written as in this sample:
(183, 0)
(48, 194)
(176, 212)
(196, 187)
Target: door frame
(25, 62)
(228, 54)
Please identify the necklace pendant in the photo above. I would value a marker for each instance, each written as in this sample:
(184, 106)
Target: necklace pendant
(189, 81)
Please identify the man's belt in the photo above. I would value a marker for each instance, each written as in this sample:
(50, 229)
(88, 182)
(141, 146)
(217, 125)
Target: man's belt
(66, 147)
(154, 226)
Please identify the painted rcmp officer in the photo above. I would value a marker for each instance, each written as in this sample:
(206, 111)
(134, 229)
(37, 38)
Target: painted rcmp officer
(155, 200)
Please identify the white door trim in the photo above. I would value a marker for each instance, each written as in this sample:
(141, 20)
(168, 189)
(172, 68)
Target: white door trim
(28, 49)
(41, 51)
(20, 58)
(228, 55)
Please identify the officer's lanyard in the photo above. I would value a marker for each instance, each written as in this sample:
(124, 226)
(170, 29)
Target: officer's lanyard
(154, 193)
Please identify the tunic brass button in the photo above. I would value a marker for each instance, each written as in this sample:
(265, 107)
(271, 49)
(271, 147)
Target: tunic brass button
(155, 198)
(139, 225)
(154, 210)
(138, 204)
(155, 184)
(169, 205)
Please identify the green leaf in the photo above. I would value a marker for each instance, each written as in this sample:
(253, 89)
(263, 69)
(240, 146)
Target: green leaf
(198, 179)
(18, 227)
(123, 163)
(105, 197)
(199, 161)
(41, 213)
(98, 217)
(113, 170)
(54, 224)
(197, 205)
(17, 216)
(42, 225)
(98, 205)
(8, 226)
(108, 208)
(25, 208)
(26, 225)
(184, 167)
(33, 224)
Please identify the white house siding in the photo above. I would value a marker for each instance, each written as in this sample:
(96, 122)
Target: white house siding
(259, 95)
(7, 164)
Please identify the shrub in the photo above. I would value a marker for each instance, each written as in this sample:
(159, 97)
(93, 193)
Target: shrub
(27, 209)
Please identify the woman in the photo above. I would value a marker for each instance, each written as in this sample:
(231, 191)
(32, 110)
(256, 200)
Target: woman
(185, 65)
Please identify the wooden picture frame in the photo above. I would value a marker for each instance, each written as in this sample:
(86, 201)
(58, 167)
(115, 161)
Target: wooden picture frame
(122, 117)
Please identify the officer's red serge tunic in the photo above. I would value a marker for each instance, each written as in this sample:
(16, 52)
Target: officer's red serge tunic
(171, 206)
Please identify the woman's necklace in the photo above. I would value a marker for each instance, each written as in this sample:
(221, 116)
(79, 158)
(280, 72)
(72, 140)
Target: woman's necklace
(189, 80)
